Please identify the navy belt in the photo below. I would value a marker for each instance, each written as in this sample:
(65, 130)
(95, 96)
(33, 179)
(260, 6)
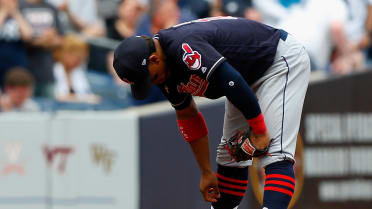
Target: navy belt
(283, 34)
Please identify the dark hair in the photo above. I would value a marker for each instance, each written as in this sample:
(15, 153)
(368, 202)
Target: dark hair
(18, 76)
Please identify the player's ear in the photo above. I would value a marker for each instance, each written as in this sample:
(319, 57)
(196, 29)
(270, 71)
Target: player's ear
(154, 59)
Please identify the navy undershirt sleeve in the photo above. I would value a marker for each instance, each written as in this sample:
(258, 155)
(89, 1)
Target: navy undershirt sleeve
(236, 89)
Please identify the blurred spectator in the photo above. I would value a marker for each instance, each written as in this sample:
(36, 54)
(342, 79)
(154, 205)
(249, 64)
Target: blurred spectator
(18, 88)
(81, 16)
(71, 81)
(163, 14)
(200, 8)
(216, 8)
(114, 92)
(356, 28)
(319, 25)
(236, 8)
(47, 29)
(106, 10)
(125, 25)
(252, 13)
(274, 11)
(14, 31)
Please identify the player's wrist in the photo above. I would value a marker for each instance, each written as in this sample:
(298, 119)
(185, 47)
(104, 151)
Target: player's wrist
(193, 128)
(258, 124)
(206, 171)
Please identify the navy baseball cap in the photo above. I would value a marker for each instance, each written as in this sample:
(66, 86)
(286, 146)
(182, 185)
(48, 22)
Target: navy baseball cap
(131, 59)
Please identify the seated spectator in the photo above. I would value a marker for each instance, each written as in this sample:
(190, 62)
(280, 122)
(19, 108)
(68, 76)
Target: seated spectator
(163, 14)
(46, 26)
(346, 57)
(14, 31)
(216, 8)
(273, 12)
(71, 81)
(106, 10)
(114, 93)
(236, 8)
(200, 8)
(125, 25)
(81, 17)
(358, 29)
(252, 13)
(18, 88)
(327, 19)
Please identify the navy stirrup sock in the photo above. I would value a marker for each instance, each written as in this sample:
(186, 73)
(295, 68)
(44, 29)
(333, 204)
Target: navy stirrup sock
(279, 185)
(232, 183)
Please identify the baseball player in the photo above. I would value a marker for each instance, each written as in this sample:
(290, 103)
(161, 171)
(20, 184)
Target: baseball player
(264, 74)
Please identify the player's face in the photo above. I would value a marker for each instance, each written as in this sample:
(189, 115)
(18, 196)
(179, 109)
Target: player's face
(157, 69)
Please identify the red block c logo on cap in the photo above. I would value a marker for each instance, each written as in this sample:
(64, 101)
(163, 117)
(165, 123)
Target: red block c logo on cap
(191, 58)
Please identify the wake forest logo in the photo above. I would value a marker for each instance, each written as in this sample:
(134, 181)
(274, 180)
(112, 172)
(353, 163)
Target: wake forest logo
(103, 156)
(257, 175)
(191, 58)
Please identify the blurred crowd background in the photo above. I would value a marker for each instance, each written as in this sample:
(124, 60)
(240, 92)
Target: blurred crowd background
(57, 54)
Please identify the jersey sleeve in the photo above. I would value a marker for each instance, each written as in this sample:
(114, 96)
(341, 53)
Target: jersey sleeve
(178, 100)
(198, 56)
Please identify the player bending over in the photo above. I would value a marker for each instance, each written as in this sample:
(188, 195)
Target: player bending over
(264, 74)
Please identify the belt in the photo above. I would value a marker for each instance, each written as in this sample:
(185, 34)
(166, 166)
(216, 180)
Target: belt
(283, 34)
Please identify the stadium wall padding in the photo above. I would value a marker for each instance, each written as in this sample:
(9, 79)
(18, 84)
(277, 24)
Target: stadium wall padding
(69, 160)
(137, 159)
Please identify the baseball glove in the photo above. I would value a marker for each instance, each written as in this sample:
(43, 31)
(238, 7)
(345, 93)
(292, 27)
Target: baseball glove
(241, 148)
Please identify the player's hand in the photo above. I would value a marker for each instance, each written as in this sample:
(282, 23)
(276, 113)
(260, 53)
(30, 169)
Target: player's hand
(209, 187)
(261, 141)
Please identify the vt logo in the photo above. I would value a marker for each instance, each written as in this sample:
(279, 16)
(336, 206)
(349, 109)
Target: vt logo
(103, 156)
(60, 152)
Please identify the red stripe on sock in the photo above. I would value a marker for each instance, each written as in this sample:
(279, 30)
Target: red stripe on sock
(277, 189)
(231, 179)
(232, 186)
(282, 183)
(241, 194)
(281, 177)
